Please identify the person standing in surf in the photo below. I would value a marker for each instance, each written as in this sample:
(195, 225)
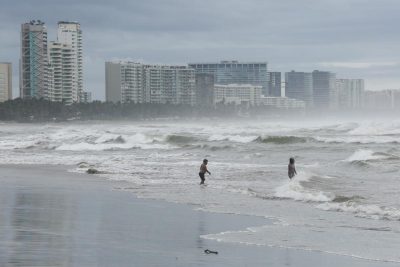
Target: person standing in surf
(291, 169)
(203, 170)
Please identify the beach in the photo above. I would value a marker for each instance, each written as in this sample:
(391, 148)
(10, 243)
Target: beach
(51, 217)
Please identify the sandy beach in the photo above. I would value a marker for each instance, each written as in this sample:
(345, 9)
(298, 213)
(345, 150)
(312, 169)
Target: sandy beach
(50, 217)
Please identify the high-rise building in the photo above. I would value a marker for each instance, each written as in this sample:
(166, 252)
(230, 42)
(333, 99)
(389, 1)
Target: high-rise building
(141, 83)
(299, 85)
(237, 93)
(34, 60)
(204, 89)
(61, 70)
(350, 93)
(5, 81)
(70, 33)
(274, 84)
(324, 90)
(169, 84)
(124, 82)
(235, 72)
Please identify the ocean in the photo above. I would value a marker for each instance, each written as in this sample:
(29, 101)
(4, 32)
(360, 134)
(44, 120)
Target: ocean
(344, 200)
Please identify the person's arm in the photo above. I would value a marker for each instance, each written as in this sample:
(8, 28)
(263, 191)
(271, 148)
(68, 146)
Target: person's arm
(208, 171)
(295, 172)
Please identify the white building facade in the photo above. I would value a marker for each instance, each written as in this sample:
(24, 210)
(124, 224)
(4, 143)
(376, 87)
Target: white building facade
(237, 94)
(143, 83)
(70, 33)
(61, 73)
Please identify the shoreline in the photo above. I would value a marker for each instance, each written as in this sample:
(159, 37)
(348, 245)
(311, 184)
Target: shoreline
(52, 217)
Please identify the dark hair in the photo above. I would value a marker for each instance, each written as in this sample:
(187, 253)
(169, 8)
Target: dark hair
(291, 160)
(205, 160)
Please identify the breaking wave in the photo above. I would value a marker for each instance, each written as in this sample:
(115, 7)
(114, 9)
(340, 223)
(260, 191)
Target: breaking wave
(180, 139)
(232, 138)
(283, 139)
(293, 189)
(364, 155)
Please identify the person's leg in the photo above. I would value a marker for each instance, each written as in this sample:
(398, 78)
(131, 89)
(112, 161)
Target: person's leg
(202, 178)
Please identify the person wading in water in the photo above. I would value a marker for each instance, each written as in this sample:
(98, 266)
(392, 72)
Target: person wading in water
(203, 170)
(291, 169)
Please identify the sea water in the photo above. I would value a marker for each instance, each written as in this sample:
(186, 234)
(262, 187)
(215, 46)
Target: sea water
(344, 199)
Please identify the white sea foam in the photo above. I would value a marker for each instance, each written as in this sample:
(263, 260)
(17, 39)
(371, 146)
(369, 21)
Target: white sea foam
(364, 155)
(363, 210)
(293, 189)
(376, 129)
(349, 139)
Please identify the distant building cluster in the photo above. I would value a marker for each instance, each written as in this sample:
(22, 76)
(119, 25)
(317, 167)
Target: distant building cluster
(203, 84)
(54, 70)
(230, 82)
(322, 90)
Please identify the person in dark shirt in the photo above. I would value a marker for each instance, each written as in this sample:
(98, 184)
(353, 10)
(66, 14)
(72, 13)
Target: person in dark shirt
(203, 170)
(291, 169)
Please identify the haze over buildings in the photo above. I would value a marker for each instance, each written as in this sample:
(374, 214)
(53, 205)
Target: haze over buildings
(176, 33)
(235, 72)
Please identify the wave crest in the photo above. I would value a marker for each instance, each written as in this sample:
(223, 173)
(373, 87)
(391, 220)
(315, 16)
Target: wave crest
(180, 139)
(282, 139)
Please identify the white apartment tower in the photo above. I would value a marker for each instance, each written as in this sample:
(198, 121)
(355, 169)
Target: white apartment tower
(61, 72)
(70, 33)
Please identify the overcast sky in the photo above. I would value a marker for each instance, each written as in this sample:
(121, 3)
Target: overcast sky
(353, 38)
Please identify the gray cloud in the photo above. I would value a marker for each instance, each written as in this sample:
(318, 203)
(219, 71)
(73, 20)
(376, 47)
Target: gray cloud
(289, 34)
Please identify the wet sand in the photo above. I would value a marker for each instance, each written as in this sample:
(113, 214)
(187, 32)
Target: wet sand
(50, 217)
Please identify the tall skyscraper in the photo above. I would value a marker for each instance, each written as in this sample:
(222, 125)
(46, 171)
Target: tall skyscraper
(5, 81)
(350, 93)
(61, 74)
(235, 72)
(324, 90)
(141, 83)
(34, 60)
(274, 84)
(70, 33)
(299, 85)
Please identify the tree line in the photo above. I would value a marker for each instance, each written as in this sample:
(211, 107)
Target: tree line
(40, 110)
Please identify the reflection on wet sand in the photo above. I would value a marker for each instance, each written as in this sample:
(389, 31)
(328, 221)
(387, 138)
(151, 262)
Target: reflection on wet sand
(38, 229)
